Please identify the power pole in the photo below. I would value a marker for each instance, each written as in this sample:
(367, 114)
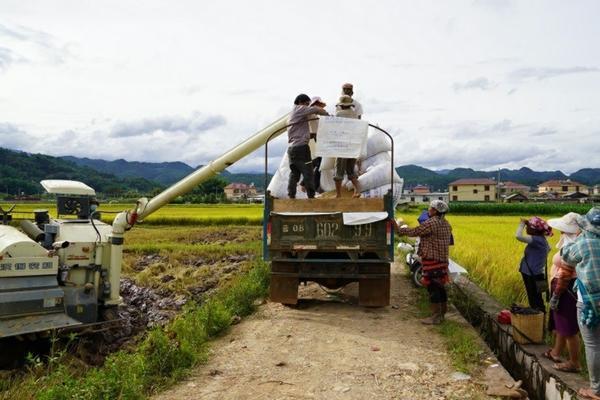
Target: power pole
(498, 187)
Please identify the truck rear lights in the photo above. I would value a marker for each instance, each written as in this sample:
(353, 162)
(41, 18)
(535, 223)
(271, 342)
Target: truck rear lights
(388, 232)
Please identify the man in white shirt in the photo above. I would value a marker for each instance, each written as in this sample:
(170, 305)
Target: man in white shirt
(348, 89)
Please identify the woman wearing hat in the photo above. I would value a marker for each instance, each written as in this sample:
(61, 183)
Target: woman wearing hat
(563, 304)
(435, 236)
(584, 253)
(533, 263)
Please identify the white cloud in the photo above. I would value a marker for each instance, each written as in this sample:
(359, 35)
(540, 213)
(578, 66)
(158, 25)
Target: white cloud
(481, 83)
(548, 72)
(190, 125)
(458, 82)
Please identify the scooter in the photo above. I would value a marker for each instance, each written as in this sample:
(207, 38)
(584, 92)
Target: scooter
(413, 261)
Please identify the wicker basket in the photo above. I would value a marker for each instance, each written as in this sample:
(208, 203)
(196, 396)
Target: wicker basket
(528, 328)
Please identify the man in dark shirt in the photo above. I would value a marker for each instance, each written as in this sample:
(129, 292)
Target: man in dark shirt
(436, 236)
(298, 150)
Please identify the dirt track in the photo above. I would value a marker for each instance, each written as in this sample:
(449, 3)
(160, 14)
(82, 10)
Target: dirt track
(329, 348)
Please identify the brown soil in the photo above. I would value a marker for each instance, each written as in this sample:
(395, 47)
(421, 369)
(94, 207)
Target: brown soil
(330, 348)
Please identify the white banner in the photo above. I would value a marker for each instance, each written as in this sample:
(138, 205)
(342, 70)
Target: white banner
(341, 137)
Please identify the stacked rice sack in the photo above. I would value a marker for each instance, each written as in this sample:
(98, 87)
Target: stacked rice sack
(374, 175)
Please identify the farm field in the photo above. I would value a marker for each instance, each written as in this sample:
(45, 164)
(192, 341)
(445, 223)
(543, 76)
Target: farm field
(487, 248)
(183, 214)
(484, 244)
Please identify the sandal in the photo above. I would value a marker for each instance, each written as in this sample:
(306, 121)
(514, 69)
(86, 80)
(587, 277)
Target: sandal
(587, 393)
(548, 354)
(566, 367)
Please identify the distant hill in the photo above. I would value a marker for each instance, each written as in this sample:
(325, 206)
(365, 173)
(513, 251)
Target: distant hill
(22, 172)
(439, 180)
(165, 173)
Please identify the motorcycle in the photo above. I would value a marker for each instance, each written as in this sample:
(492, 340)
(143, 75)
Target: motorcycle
(413, 262)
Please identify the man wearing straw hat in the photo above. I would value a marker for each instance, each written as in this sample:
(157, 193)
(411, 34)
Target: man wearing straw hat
(584, 253)
(348, 90)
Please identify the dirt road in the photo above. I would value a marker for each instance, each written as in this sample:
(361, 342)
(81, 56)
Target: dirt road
(329, 348)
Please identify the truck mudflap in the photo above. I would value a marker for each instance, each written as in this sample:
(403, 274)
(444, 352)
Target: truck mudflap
(373, 280)
(35, 323)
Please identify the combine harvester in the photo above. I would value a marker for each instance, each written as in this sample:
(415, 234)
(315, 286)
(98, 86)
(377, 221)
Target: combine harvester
(65, 272)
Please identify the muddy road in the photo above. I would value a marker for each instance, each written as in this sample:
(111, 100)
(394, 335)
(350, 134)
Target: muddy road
(330, 348)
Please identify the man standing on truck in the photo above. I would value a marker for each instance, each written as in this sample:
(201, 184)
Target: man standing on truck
(298, 150)
(345, 166)
(435, 238)
(348, 89)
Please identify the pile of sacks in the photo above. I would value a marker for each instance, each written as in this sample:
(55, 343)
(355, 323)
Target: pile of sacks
(373, 176)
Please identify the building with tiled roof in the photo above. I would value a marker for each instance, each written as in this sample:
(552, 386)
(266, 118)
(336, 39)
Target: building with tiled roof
(235, 191)
(562, 187)
(472, 189)
(508, 187)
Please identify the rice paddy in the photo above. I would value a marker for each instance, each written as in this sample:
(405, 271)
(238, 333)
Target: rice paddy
(487, 248)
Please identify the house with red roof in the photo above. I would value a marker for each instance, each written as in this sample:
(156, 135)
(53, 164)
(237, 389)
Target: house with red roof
(236, 191)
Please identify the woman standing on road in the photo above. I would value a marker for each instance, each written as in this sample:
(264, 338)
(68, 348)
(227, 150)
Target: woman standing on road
(584, 253)
(533, 263)
(435, 237)
(563, 304)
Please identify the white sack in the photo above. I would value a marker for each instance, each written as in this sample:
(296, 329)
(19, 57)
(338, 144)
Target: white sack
(327, 182)
(376, 176)
(377, 142)
(279, 182)
(381, 191)
(327, 163)
(384, 158)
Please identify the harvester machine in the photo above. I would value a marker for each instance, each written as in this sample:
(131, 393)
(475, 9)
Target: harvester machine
(65, 272)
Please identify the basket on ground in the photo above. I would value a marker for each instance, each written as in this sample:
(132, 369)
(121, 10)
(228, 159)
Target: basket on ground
(528, 328)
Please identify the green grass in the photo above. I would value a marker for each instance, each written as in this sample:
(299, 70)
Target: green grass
(163, 357)
(462, 342)
(556, 209)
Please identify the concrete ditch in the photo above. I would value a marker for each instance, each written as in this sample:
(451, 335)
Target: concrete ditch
(523, 362)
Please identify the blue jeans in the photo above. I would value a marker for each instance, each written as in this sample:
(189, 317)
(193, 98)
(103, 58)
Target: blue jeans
(591, 340)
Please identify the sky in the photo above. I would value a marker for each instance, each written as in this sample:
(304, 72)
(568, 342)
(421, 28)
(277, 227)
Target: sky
(485, 84)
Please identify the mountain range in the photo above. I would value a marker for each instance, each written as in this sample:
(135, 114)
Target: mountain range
(169, 172)
(439, 180)
(165, 173)
(21, 172)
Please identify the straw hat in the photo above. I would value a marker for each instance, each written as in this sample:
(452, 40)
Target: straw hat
(345, 100)
(591, 221)
(316, 100)
(440, 206)
(567, 223)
